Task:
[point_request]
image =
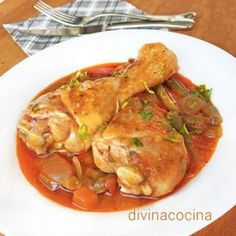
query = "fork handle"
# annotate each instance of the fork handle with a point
(187, 17)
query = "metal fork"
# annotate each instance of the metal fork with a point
(74, 21)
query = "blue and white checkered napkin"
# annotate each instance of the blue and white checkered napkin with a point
(31, 44)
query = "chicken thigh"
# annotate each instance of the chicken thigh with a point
(65, 120)
(139, 145)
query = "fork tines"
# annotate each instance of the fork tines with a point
(53, 13)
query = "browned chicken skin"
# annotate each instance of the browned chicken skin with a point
(154, 65)
(139, 145)
(67, 119)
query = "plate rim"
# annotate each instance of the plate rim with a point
(47, 50)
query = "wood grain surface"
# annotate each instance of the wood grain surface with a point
(216, 23)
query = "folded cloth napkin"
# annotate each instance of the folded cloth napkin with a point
(31, 44)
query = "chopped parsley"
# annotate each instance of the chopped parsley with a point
(146, 115)
(173, 138)
(202, 92)
(174, 120)
(125, 104)
(63, 87)
(170, 120)
(81, 75)
(146, 102)
(184, 130)
(75, 81)
(192, 105)
(119, 74)
(136, 142)
(147, 88)
(83, 132)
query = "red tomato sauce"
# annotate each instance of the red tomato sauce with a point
(30, 163)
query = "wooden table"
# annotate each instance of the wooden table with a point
(216, 23)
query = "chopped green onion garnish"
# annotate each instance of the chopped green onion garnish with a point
(74, 82)
(120, 74)
(136, 142)
(124, 104)
(170, 120)
(192, 105)
(174, 138)
(83, 132)
(81, 75)
(175, 120)
(147, 88)
(202, 92)
(184, 130)
(63, 87)
(146, 102)
(146, 115)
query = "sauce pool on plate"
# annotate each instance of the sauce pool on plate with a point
(200, 145)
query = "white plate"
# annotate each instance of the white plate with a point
(24, 211)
